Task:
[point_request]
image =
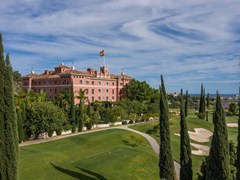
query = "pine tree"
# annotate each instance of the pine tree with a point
(186, 104)
(166, 166)
(238, 142)
(20, 126)
(201, 112)
(185, 148)
(8, 121)
(218, 167)
(72, 111)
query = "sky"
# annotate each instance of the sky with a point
(188, 42)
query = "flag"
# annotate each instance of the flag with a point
(102, 53)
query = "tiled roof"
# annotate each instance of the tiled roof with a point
(31, 75)
(62, 66)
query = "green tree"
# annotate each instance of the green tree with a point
(44, 117)
(20, 126)
(3, 168)
(218, 167)
(232, 108)
(201, 111)
(166, 166)
(186, 104)
(238, 142)
(185, 148)
(201, 175)
(8, 121)
(136, 90)
(72, 111)
(208, 101)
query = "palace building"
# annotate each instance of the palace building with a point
(98, 85)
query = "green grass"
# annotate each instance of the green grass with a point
(192, 122)
(100, 155)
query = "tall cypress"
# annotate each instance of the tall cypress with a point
(238, 141)
(201, 112)
(8, 121)
(72, 111)
(185, 148)
(218, 167)
(2, 120)
(186, 104)
(166, 166)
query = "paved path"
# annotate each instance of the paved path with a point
(150, 139)
(153, 143)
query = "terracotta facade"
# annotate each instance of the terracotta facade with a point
(98, 85)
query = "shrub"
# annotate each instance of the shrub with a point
(124, 122)
(201, 115)
(50, 133)
(59, 131)
(130, 122)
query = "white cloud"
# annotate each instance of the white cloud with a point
(146, 38)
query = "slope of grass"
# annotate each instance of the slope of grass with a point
(100, 155)
(193, 122)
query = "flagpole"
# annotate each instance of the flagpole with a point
(104, 60)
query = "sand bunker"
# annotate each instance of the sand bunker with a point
(202, 150)
(232, 124)
(200, 135)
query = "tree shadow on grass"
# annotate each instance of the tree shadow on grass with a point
(78, 175)
(100, 177)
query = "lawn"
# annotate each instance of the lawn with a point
(193, 122)
(100, 155)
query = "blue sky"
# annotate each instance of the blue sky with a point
(189, 42)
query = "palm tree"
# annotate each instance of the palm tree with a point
(81, 96)
(64, 99)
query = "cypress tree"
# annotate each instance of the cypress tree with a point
(185, 148)
(72, 111)
(80, 116)
(8, 121)
(2, 120)
(20, 126)
(186, 104)
(166, 166)
(218, 167)
(238, 142)
(201, 112)
(208, 101)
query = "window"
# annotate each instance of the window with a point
(99, 90)
(80, 82)
(113, 83)
(99, 98)
(55, 82)
(50, 90)
(107, 98)
(113, 98)
(86, 91)
(87, 82)
(99, 83)
(112, 91)
(107, 83)
(92, 82)
(107, 90)
(121, 84)
(92, 91)
(92, 99)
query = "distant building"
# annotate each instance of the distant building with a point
(101, 86)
